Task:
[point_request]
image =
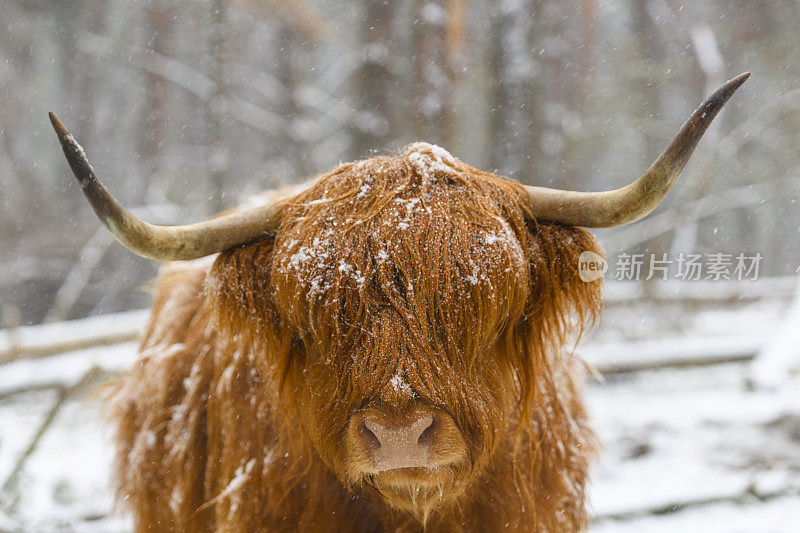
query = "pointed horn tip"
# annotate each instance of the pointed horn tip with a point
(59, 128)
(730, 87)
(737, 81)
(717, 99)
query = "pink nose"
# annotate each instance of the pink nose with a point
(402, 445)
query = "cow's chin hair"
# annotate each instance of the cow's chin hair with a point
(417, 491)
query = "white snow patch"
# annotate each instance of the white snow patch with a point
(366, 186)
(780, 357)
(400, 384)
(433, 13)
(240, 476)
(491, 238)
(428, 159)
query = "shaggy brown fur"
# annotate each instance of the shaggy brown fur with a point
(415, 267)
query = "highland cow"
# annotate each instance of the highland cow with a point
(380, 351)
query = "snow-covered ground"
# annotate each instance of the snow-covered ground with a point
(690, 445)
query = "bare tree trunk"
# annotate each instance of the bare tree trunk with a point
(588, 16)
(218, 156)
(514, 136)
(650, 48)
(290, 73)
(152, 133)
(70, 13)
(376, 80)
(432, 92)
(709, 59)
(560, 57)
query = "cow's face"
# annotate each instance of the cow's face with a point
(397, 303)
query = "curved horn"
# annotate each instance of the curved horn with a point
(634, 201)
(162, 242)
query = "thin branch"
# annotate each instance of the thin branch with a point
(186, 78)
(11, 483)
(736, 198)
(32, 342)
(79, 275)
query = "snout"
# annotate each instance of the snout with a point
(401, 445)
(425, 438)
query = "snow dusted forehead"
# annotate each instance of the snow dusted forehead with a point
(420, 221)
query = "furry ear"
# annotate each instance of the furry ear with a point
(560, 302)
(238, 286)
(240, 293)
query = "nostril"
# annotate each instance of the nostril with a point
(429, 434)
(370, 439)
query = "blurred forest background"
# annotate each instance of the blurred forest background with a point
(186, 108)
